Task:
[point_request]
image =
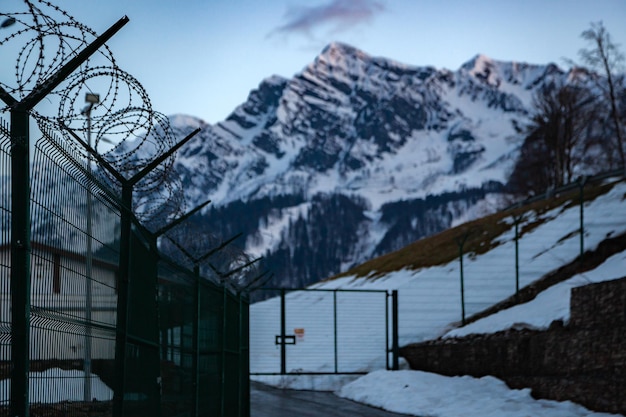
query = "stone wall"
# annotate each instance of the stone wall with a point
(584, 362)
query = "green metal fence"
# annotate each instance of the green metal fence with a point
(94, 319)
(164, 341)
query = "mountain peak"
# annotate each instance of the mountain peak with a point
(494, 73)
(337, 54)
(478, 64)
(340, 48)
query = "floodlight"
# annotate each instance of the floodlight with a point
(7, 22)
(92, 98)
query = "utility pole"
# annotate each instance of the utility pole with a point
(92, 99)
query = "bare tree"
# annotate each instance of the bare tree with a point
(557, 135)
(604, 55)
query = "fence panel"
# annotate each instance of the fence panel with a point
(142, 379)
(265, 354)
(362, 331)
(181, 358)
(176, 317)
(74, 254)
(233, 387)
(547, 236)
(210, 349)
(314, 331)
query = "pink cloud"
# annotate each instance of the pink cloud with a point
(341, 14)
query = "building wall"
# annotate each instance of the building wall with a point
(58, 306)
(583, 361)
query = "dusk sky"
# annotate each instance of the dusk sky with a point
(202, 58)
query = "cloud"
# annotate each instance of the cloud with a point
(339, 14)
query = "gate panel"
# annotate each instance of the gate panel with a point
(264, 326)
(362, 332)
(310, 325)
(319, 331)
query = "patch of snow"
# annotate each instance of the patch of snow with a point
(426, 394)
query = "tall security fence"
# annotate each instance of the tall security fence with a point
(95, 318)
(506, 258)
(539, 236)
(185, 335)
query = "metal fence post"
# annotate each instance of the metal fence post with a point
(461, 242)
(395, 348)
(196, 342)
(20, 261)
(387, 295)
(244, 358)
(581, 186)
(335, 329)
(517, 220)
(121, 339)
(283, 332)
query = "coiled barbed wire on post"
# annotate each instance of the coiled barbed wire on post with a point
(42, 37)
(124, 127)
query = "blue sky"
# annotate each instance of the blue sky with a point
(202, 57)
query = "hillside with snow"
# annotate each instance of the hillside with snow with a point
(548, 238)
(357, 156)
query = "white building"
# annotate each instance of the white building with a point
(59, 300)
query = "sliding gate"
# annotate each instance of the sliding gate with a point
(319, 331)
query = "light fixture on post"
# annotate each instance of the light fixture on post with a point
(91, 99)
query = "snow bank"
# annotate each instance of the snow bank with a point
(425, 394)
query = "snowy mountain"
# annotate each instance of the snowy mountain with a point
(357, 156)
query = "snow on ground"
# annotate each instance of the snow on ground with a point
(552, 304)
(429, 304)
(56, 385)
(419, 393)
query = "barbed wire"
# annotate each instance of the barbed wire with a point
(125, 129)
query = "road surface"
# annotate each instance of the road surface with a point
(267, 401)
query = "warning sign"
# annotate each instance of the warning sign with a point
(299, 332)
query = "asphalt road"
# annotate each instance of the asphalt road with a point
(267, 401)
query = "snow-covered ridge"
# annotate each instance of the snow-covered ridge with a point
(362, 116)
(379, 132)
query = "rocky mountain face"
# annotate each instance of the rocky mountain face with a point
(357, 156)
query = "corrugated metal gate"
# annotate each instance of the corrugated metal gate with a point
(319, 331)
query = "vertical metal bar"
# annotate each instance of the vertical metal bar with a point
(244, 371)
(123, 297)
(88, 275)
(20, 261)
(582, 219)
(462, 284)
(164, 318)
(239, 356)
(224, 326)
(461, 242)
(517, 221)
(283, 326)
(246, 358)
(196, 342)
(387, 295)
(171, 342)
(395, 348)
(335, 328)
